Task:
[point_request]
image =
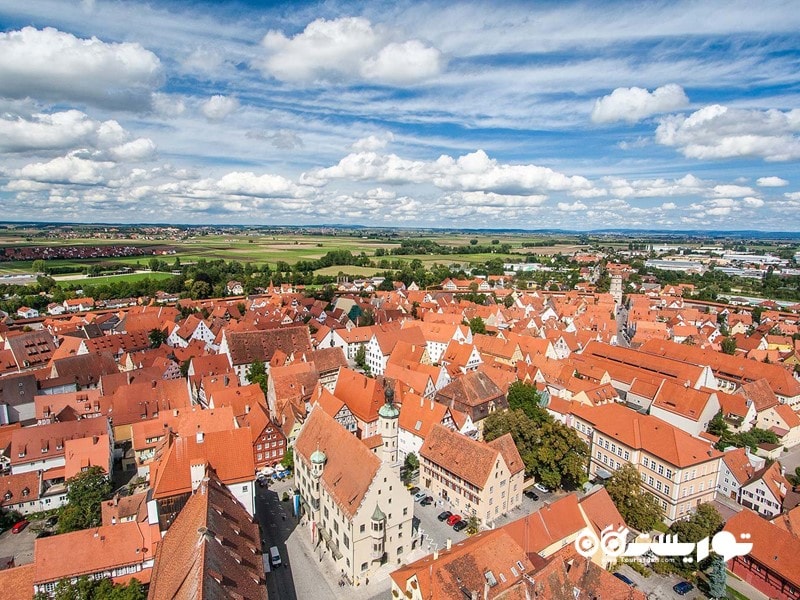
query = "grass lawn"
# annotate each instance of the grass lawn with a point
(734, 595)
(92, 281)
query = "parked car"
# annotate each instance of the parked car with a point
(531, 494)
(542, 488)
(419, 496)
(44, 533)
(443, 516)
(414, 490)
(682, 588)
(19, 526)
(51, 521)
(624, 579)
(427, 500)
(461, 525)
(453, 519)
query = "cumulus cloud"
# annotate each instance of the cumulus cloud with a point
(634, 104)
(771, 182)
(473, 172)
(753, 202)
(282, 139)
(403, 63)
(71, 130)
(168, 106)
(734, 191)
(218, 107)
(372, 142)
(574, 207)
(263, 186)
(716, 131)
(347, 47)
(53, 65)
(66, 169)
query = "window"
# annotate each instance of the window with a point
(405, 511)
(666, 490)
(627, 455)
(660, 469)
(364, 566)
(363, 528)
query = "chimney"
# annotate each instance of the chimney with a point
(113, 520)
(436, 555)
(225, 380)
(449, 544)
(199, 435)
(247, 409)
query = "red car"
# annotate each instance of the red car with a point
(19, 526)
(453, 519)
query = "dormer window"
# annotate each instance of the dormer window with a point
(8, 495)
(59, 446)
(25, 491)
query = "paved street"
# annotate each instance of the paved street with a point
(299, 576)
(20, 545)
(658, 587)
(790, 460)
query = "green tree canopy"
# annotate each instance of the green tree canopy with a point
(95, 589)
(157, 337)
(552, 453)
(85, 492)
(638, 508)
(729, 346)
(477, 325)
(257, 373)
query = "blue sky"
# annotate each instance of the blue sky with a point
(673, 115)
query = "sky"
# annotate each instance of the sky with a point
(571, 115)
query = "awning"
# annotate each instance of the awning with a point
(602, 473)
(330, 544)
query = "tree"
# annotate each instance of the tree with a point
(638, 508)
(200, 290)
(157, 337)
(718, 578)
(473, 524)
(361, 358)
(411, 463)
(85, 492)
(85, 588)
(38, 266)
(552, 453)
(526, 398)
(473, 242)
(153, 263)
(729, 346)
(287, 462)
(477, 325)
(257, 373)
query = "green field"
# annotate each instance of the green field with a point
(348, 270)
(270, 249)
(67, 283)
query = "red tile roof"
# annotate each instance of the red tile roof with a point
(471, 460)
(212, 550)
(92, 551)
(350, 466)
(774, 548)
(645, 432)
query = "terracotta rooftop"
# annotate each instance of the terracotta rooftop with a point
(45, 441)
(363, 395)
(16, 583)
(229, 453)
(471, 460)
(212, 550)
(774, 548)
(350, 466)
(682, 400)
(465, 569)
(471, 393)
(648, 433)
(247, 347)
(92, 551)
(738, 464)
(759, 393)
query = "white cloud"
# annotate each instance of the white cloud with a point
(372, 142)
(58, 66)
(347, 47)
(168, 106)
(138, 149)
(792, 195)
(218, 107)
(45, 131)
(574, 207)
(734, 191)
(470, 172)
(634, 104)
(716, 131)
(669, 206)
(771, 182)
(71, 130)
(66, 169)
(403, 63)
(204, 61)
(753, 202)
(250, 184)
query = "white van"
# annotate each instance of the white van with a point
(274, 556)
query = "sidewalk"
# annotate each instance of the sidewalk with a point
(747, 590)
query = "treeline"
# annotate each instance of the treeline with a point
(425, 246)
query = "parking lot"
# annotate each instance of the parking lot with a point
(19, 546)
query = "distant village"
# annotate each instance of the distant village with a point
(375, 433)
